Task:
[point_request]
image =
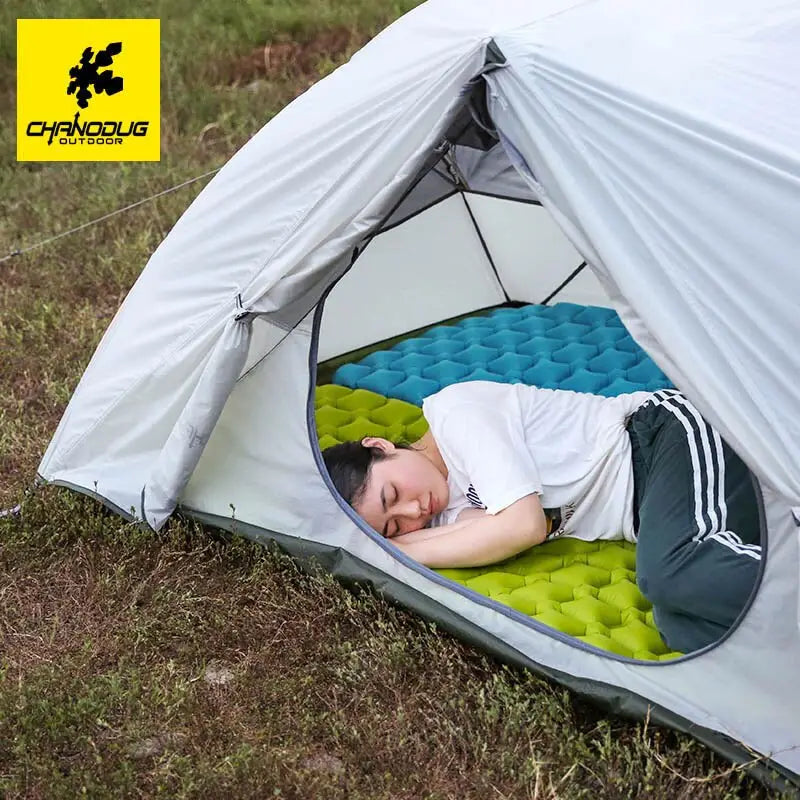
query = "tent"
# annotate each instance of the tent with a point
(485, 152)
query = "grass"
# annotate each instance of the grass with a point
(190, 664)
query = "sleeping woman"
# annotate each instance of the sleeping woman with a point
(503, 467)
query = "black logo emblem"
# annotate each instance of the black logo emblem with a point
(86, 74)
(473, 498)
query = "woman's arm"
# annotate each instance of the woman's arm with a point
(423, 534)
(477, 541)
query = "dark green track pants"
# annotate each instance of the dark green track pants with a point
(698, 553)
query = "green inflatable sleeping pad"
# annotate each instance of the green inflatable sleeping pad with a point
(584, 589)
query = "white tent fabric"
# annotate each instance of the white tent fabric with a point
(662, 137)
(685, 179)
(419, 252)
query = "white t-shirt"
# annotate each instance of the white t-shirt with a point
(501, 442)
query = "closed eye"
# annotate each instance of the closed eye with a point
(384, 505)
(391, 528)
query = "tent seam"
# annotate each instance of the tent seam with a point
(485, 248)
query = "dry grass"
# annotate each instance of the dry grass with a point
(192, 665)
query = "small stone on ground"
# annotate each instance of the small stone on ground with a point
(218, 675)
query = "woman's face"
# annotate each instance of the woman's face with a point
(403, 492)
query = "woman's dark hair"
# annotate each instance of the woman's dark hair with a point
(349, 464)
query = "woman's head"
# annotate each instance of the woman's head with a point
(395, 488)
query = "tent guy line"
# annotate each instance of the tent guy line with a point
(19, 251)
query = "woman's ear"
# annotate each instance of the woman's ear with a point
(376, 441)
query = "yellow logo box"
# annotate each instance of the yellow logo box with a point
(88, 90)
